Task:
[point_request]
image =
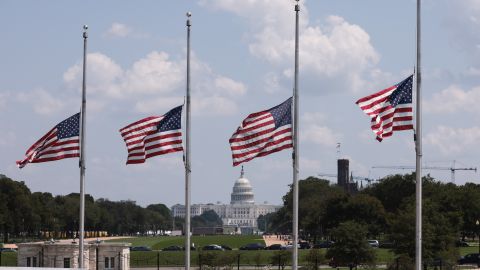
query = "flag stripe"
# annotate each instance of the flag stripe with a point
(263, 133)
(153, 136)
(390, 109)
(60, 142)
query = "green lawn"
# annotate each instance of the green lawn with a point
(465, 250)
(261, 257)
(160, 242)
(8, 259)
(175, 258)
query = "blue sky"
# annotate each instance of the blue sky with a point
(242, 62)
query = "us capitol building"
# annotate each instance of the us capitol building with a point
(242, 211)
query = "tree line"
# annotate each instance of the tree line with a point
(386, 211)
(27, 215)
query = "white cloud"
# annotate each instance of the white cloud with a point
(271, 82)
(454, 99)
(463, 22)
(157, 75)
(310, 118)
(337, 49)
(103, 75)
(313, 130)
(214, 105)
(473, 71)
(319, 135)
(453, 140)
(158, 105)
(43, 102)
(312, 165)
(230, 86)
(154, 74)
(119, 30)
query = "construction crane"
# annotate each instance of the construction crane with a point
(451, 169)
(368, 180)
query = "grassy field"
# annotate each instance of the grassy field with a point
(175, 258)
(160, 242)
(143, 259)
(8, 259)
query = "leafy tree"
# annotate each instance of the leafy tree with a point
(351, 246)
(265, 222)
(468, 198)
(368, 211)
(281, 258)
(18, 217)
(207, 219)
(438, 233)
(313, 195)
(314, 258)
(393, 190)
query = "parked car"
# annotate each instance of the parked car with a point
(324, 244)
(253, 246)
(374, 243)
(173, 248)
(226, 247)
(140, 248)
(472, 258)
(275, 247)
(8, 250)
(212, 247)
(460, 243)
(304, 245)
(386, 244)
(290, 246)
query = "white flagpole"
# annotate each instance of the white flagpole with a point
(82, 149)
(187, 154)
(295, 149)
(418, 150)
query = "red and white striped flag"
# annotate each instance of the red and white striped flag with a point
(263, 133)
(60, 142)
(390, 109)
(153, 136)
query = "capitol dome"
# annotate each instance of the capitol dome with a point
(242, 191)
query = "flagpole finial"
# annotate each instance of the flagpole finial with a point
(85, 28)
(189, 14)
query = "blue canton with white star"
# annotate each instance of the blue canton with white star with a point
(69, 127)
(172, 120)
(282, 114)
(403, 93)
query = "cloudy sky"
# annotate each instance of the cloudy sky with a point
(242, 62)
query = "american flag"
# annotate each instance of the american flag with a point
(59, 143)
(153, 136)
(263, 133)
(390, 109)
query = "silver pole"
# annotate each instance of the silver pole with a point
(295, 149)
(187, 154)
(418, 148)
(82, 147)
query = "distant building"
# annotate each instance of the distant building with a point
(344, 178)
(63, 254)
(242, 211)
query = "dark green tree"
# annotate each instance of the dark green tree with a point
(351, 246)
(207, 219)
